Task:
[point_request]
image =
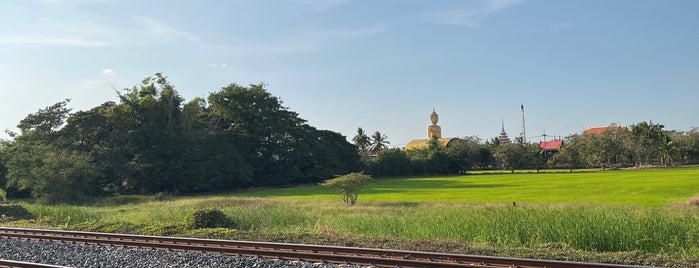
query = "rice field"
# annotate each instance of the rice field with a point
(611, 211)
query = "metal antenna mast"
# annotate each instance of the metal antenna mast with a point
(524, 129)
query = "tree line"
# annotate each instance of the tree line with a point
(151, 141)
(645, 143)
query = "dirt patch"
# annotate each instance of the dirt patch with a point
(694, 201)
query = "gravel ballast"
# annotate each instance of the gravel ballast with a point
(76, 255)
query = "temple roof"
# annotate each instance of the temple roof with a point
(553, 145)
(600, 130)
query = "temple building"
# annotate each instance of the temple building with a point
(503, 135)
(599, 130)
(433, 131)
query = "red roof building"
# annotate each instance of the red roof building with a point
(600, 130)
(551, 146)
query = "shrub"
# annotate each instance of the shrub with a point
(348, 186)
(161, 196)
(14, 212)
(162, 229)
(208, 218)
(3, 196)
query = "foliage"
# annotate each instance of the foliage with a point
(379, 142)
(348, 186)
(3, 196)
(52, 175)
(468, 153)
(14, 212)
(361, 140)
(46, 121)
(511, 156)
(152, 141)
(208, 218)
(390, 163)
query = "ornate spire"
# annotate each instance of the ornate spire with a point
(502, 130)
(503, 135)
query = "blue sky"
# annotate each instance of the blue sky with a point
(381, 65)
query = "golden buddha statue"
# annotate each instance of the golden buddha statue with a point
(434, 130)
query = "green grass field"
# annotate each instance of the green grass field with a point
(653, 188)
(613, 211)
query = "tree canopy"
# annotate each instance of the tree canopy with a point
(153, 141)
(348, 186)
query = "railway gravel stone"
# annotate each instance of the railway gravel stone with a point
(76, 255)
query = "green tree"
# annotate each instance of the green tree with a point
(687, 145)
(46, 121)
(52, 175)
(465, 154)
(569, 155)
(267, 132)
(379, 142)
(651, 143)
(153, 135)
(348, 186)
(391, 162)
(535, 156)
(361, 140)
(331, 155)
(96, 133)
(511, 156)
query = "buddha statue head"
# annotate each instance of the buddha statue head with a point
(434, 117)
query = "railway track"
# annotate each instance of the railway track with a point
(310, 253)
(21, 264)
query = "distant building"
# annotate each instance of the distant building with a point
(599, 130)
(503, 135)
(551, 146)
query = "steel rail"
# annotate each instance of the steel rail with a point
(333, 254)
(21, 264)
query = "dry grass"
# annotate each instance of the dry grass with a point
(694, 201)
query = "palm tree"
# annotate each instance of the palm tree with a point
(379, 142)
(361, 140)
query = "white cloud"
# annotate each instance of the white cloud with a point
(471, 17)
(108, 71)
(218, 65)
(164, 31)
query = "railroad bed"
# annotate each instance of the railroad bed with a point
(86, 249)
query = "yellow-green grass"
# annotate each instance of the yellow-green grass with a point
(652, 187)
(630, 210)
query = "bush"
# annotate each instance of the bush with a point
(3, 196)
(208, 218)
(348, 186)
(14, 212)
